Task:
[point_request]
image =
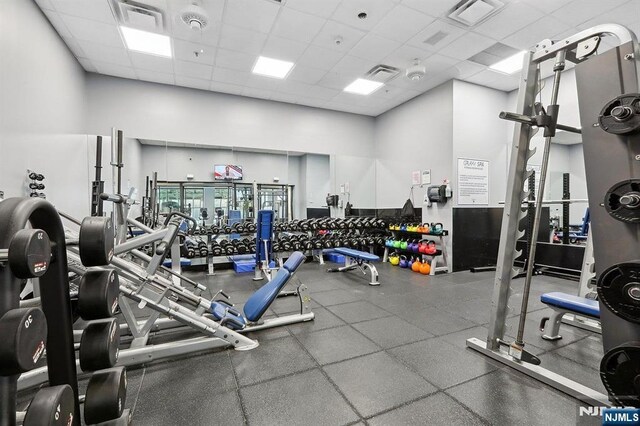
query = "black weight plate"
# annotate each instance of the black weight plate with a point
(23, 333)
(619, 290)
(96, 241)
(52, 406)
(98, 294)
(123, 420)
(29, 253)
(105, 396)
(621, 116)
(616, 209)
(620, 374)
(99, 345)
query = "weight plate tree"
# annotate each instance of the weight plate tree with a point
(608, 86)
(51, 265)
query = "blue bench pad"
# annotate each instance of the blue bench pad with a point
(572, 303)
(259, 301)
(294, 261)
(357, 254)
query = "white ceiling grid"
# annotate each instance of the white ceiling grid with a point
(304, 32)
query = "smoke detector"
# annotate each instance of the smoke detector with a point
(195, 17)
(416, 71)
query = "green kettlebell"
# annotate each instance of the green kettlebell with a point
(403, 245)
(396, 243)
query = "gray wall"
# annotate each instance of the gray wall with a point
(160, 112)
(315, 170)
(42, 108)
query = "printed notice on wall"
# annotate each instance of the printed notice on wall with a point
(473, 182)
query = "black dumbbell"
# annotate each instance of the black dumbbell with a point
(34, 186)
(98, 294)
(275, 246)
(216, 250)
(99, 345)
(29, 253)
(36, 176)
(23, 333)
(250, 227)
(52, 406)
(96, 241)
(105, 396)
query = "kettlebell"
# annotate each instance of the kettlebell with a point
(403, 262)
(396, 244)
(413, 246)
(411, 228)
(394, 259)
(424, 228)
(388, 243)
(416, 265)
(403, 227)
(436, 228)
(425, 268)
(423, 246)
(403, 245)
(430, 248)
(410, 266)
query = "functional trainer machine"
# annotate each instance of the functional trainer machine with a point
(608, 86)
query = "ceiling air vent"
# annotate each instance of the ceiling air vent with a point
(382, 73)
(471, 12)
(436, 38)
(138, 15)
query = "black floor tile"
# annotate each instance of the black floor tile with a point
(336, 344)
(335, 297)
(433, 320)
(459, 338)
(587, 352)
(358, 311)
(566, 367)
(505, 398)
(438, 409)
(302, 399)
(375, 383)
(271, 359)
(391, 331)
(323, 320)
(443, 364)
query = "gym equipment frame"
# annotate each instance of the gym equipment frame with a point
(600, 78)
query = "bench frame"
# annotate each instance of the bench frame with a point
(351, 263)
(550, 326)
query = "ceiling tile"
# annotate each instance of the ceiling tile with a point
(319, 57)
(437, 63)
(75, 48)
(284, 97)
(466, 69)
(374, 48)
(436, 8)
(322, 92)
(225, 75)
(185, 51)
(95, 51)
(240, 39)
(547, 6)
(87, 65)
(404, 56)
(209, 37)
(57, 23)
(485, 77)
(402, 23)
(195, 83)
(297, 26)
(95, 10)
(347, 12)
(83, 29)
(114, 70)
(234, 89)
(151, 62)
(545, 28)
(323, 9)
(580, 11)
(256, 15)
(355, 66)
(306, 75)
(156, 77)
(235, 60)
(445, 32)
(45, 4)
(193, 70)
(628, 15)
(466, 46)
(334, 80)
(265, 83)
(257, 93)
(332, 30)
(283, 49)
(512, 18)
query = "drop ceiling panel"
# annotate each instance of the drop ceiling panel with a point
(327, 36)
(186, 51)
(467, 45)
(93, 10)
(74, 47)
(402, 23)
(447, 31)
(297, 26)
(99, 52)
(547, 6)
(513, 17)
(193, 70)
(306, 74)
(155, 76)
(45, 4)
(348, 11)
(114, 70)
(466, 69)
(232, 59)
(233, 89)
(141, 61)
(58, 23)
(283, 49)
(435, 8)
(580, 11)
(226, 75)
(195, 83)
(241, 39)
(544, 28)
(320, 57)
(374, 48)
(255, 15)
(323, 9)
(84, 29)
(405, 55)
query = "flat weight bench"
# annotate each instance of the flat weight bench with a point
(563, 303)
(261, 299)
(356, 259)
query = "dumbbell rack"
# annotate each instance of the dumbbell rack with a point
(441, 253)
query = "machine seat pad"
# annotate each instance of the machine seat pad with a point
(234, 320)
(572, 303)
(357, 254)
(294, 261)
(259, 302)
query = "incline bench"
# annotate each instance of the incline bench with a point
(563, 303)
(356, 259)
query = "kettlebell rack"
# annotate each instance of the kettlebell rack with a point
(440, 254)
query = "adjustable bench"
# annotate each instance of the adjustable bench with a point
(261, 299)
(563, 303)
(358, 259)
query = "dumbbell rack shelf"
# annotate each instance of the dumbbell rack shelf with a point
(440, 254)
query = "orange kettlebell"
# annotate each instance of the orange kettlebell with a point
(425, 268)
(417, 264)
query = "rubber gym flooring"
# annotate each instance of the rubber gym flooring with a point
(388, 355)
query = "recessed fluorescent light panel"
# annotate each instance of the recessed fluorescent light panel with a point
(510, 65)
(274, 68)
(146, 42)
(363, 86)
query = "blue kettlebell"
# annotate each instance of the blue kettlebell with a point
(403, 262)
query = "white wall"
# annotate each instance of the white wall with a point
(315, 171)
(160, 112)
(353, 179)
(42, 108)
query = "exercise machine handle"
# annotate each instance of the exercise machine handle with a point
(117, 199)
(184, 216)
(167, 240)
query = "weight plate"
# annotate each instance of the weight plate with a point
(619, 290)
(29, 253)
(99, 345)
(622, 201)
(98, 294)
(105, 396)
(621, 116)
(620, 374)
(52, 406)
(23, 333)
(96, 241)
